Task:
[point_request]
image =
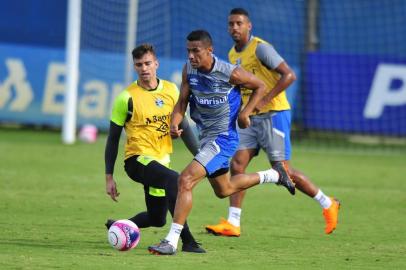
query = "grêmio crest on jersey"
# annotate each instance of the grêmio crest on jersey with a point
(159, 102)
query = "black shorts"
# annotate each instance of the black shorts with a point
(153, 174)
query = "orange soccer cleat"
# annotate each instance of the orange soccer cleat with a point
(331, 216)
(225, 228)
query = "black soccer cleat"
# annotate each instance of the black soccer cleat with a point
(193, 247)
(284, 178)
(109, 222)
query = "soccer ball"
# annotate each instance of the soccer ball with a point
(124, 235)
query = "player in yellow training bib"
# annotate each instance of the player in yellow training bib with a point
(143, 109)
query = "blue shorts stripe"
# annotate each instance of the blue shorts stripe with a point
(281, 121)
(216, 153)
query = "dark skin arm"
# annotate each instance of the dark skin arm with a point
(180, 107)
(248, 80)
(288, 76)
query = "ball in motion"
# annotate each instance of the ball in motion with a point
(124, 235)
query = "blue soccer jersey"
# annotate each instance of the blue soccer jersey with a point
(215, 102)
(214, 106)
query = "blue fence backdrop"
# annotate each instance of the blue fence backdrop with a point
(359, 64)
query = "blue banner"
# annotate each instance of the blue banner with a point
(33, 82)
(355, 93)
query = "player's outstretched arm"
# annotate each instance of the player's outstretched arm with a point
(180, 107)
(248, 80)
(110, 156)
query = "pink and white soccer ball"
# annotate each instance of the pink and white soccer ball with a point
(124, 235)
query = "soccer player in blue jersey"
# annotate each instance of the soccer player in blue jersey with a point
(211, 86)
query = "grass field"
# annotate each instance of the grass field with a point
(53, 206)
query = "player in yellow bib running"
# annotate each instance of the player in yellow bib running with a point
(270, 125)
(143, 109)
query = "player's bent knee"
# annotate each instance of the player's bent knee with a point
(185, 183)
(221, 193)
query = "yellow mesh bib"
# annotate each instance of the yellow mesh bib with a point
(248, 60)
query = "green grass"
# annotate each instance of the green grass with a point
(53, 206)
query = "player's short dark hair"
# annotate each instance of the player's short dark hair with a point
(239, 11)
(142, 49)
(200, 35)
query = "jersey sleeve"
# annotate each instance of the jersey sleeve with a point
(120, 108)
(268, 56)
(225, 69)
